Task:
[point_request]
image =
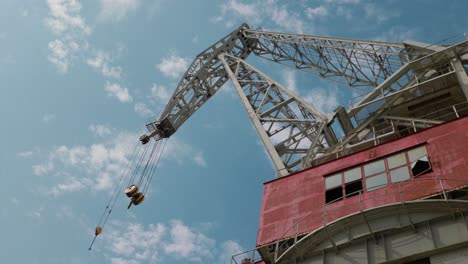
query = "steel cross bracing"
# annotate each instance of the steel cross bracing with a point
(288, 126)
(295, 134)
(355, 63)
(201, 81)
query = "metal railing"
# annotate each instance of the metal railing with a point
(357, 202)
(360, 201)
(392, 129)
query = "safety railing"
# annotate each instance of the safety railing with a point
(392, 129)
(246, 257)
(399, 192)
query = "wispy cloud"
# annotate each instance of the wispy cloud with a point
(228, 249)
(64, 16)
(72, 184)
(187, 243)
(62, 53)
(25, 154)
(100, 62)
(155, 243)
(100, 130)
(119, 92)
(143, 110)
(48, 117)
(69, 26)
(200, 159)
(99, 165)
(159, 94)
(319, 11)
(116, 10)
(268, 13)
(173, 66)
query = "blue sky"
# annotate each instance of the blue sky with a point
(79, 79)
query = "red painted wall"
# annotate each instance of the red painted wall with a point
(287, 200)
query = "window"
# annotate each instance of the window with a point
(377, 174)
(420, 164)
(343, 184)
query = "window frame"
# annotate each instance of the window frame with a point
(387, 171)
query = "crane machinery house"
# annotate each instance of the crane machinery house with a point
(384, 181)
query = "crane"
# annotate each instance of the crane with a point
(399, 84)
(390, 76)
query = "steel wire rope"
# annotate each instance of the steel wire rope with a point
(152, 166)
(113, 197)
(151, 156)
(155, 167)
(137, 168)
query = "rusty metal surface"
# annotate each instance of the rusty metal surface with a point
(287, 200)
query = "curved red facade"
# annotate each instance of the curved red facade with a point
(301, 195)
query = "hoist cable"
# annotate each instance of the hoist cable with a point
(115, 190)
(113, 197)
(148, 162)
(156, 165)
(152, 166)
(137, 168)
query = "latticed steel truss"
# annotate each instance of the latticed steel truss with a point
(397, 80)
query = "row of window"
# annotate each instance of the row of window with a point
(377, 174)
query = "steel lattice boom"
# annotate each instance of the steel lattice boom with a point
(399, 83)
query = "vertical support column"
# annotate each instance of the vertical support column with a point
(461, 76)
(278, 163)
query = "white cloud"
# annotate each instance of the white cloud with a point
(101, 164)
(343, 1)
(180, 152)
(230, 248)
(378, 13)
(115, 10)
(289, 77)
(14, 200)
(134, 242)
(100, 130)
(160, 94)
(123, 261)
(47, 118)
(143, 110)
(128, 243)
(101, 62)
(259, 12)
(187, 243)
(42, 169)
(65, 21)
(324, 100)
(173, 66)
(316, 12)
(199, 159)
(71, 185)
(25, 154)
(65, 15)
(398, 33)
(121, 93)
(195, 39)
(59, 55)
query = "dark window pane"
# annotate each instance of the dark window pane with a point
(421, 166)
(334, 194)
(420, 261)
(353, 188)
